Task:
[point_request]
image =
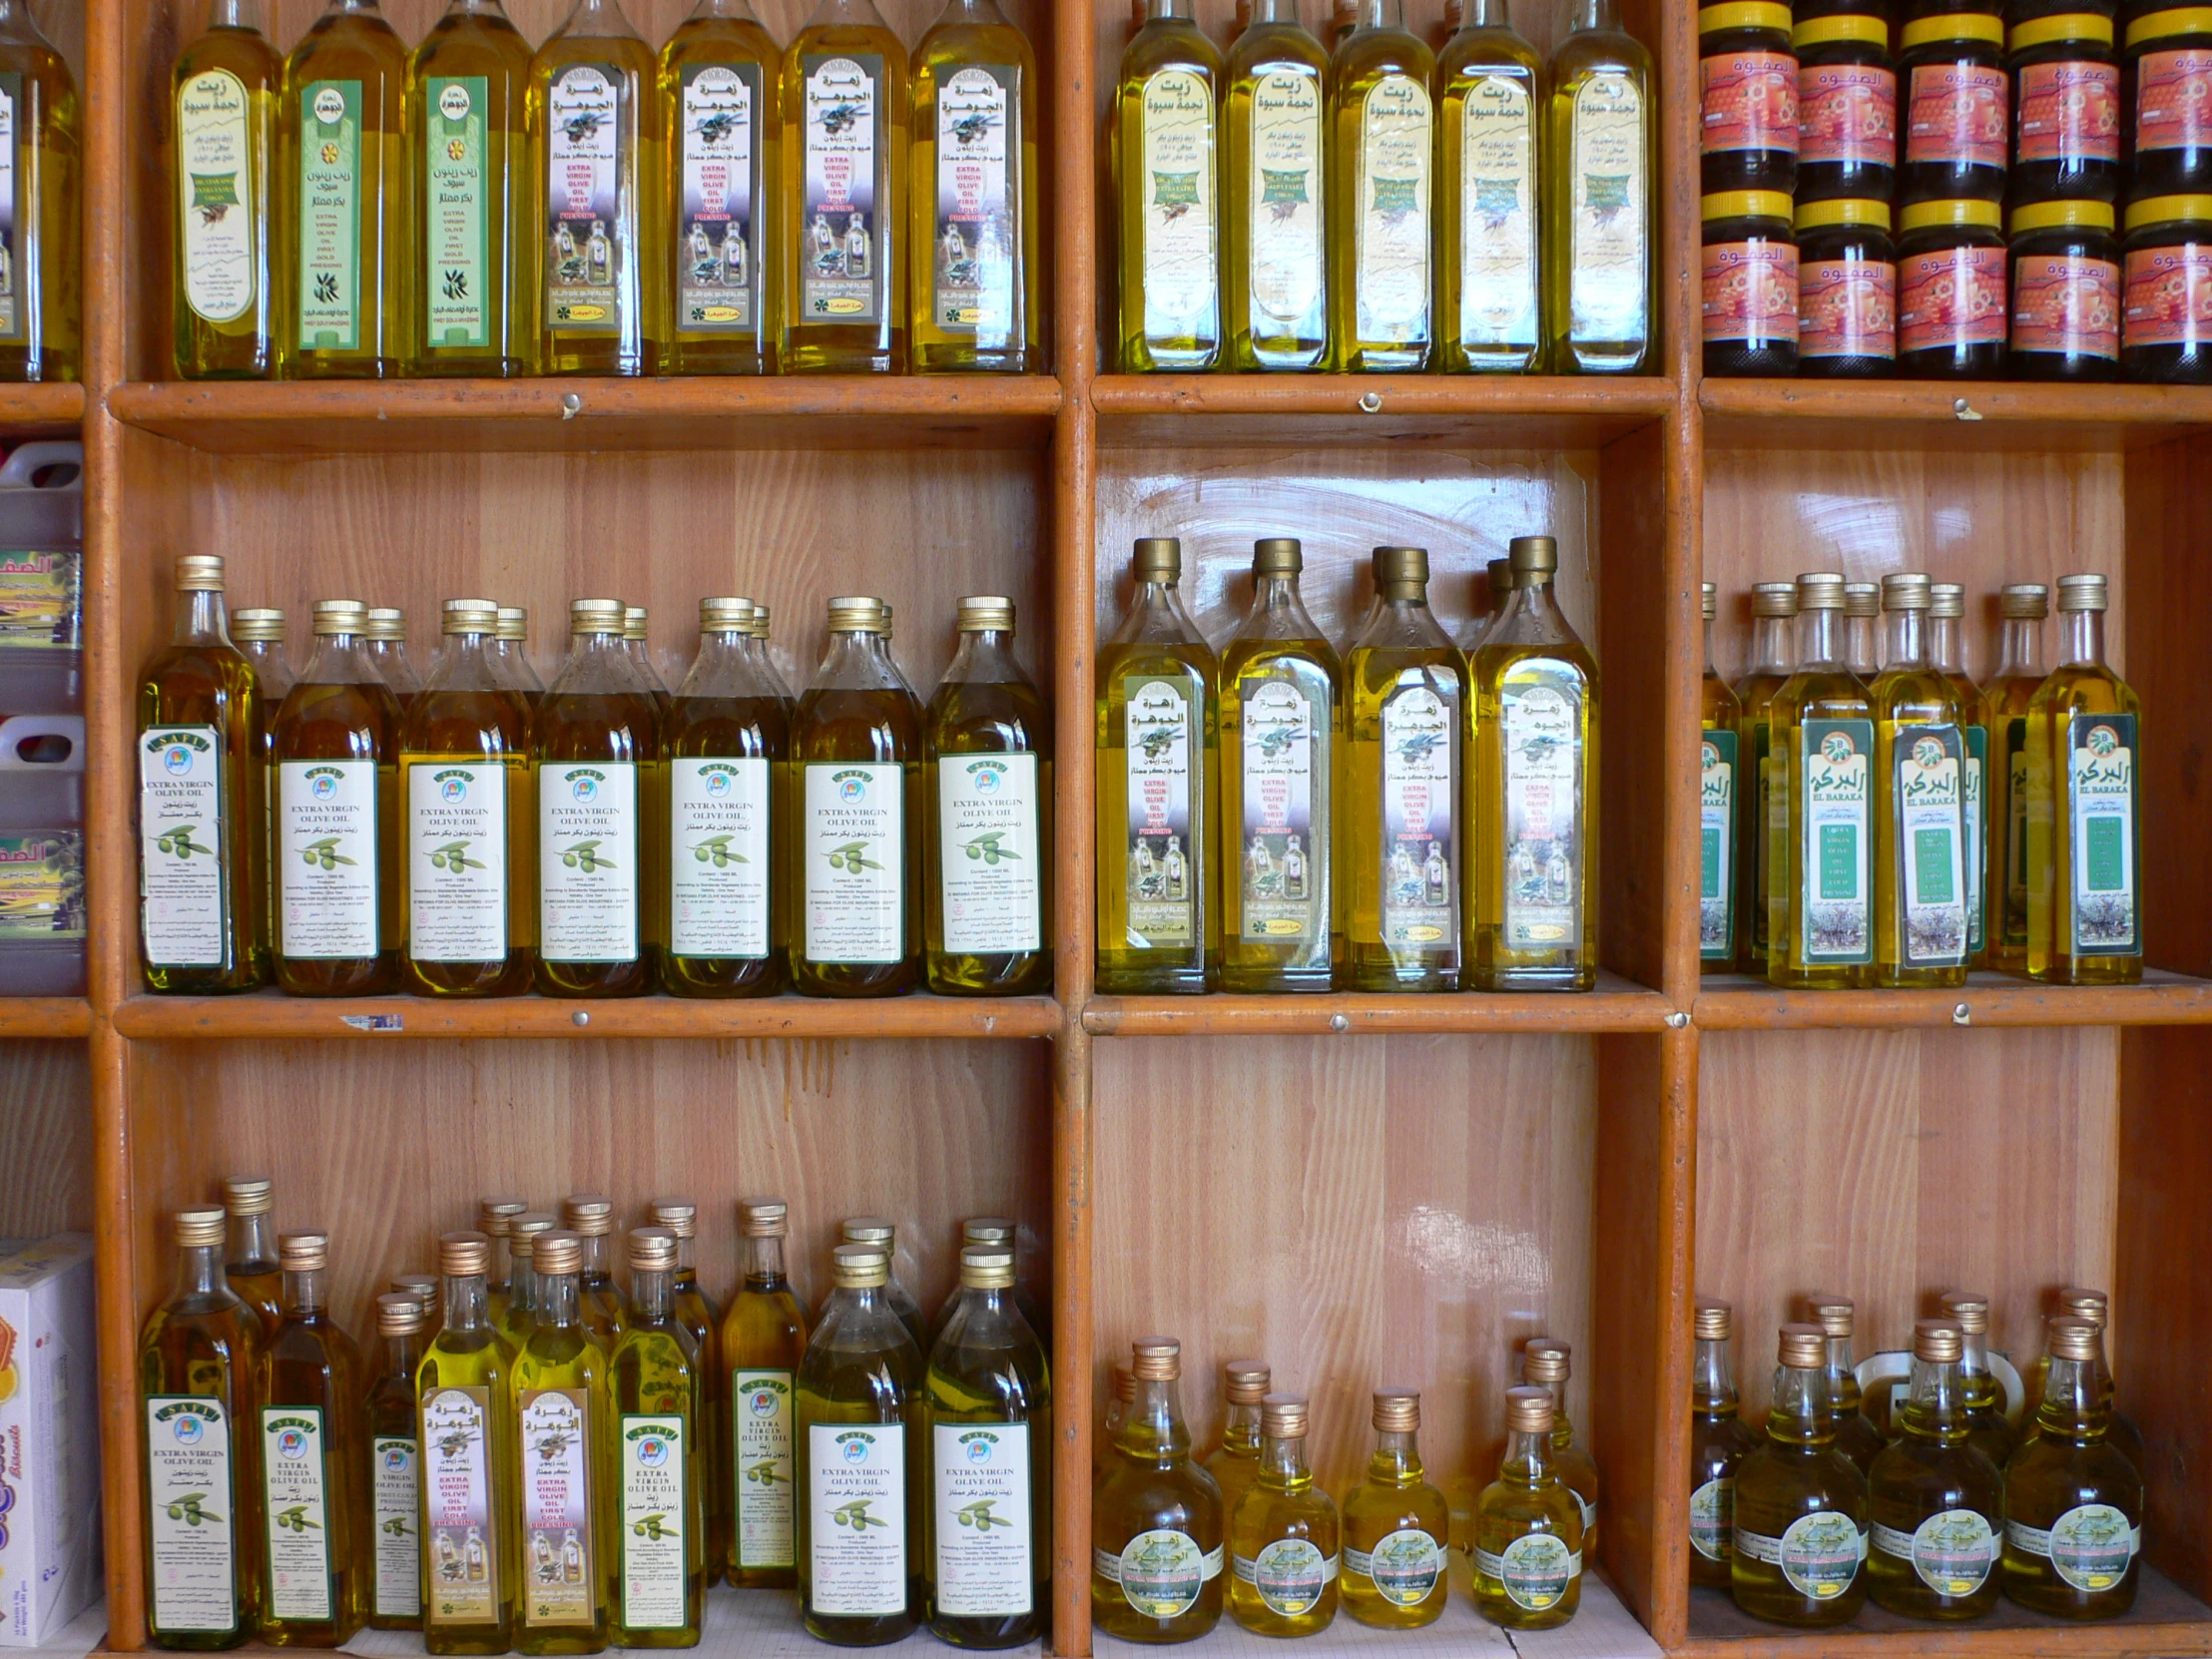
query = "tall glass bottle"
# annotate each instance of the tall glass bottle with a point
(2022, 606)
(1159, 1541)
(1719, 1439)
(495, 1219)
(1159, 790)
(1527, 1527)
(986, 821)
(1720, 738)
(522, 1282)
(386, 637)
(1801, 1504)
(1381, 193)
(1987, 1424)
(847, 110)
(471, 1500)
(658, 1551)
(392, 1597)
(200, 801)
(1401, 779)
(1530, 913)
(1936, 1503)
(1001, 1231)
(720, 80)
(2073, 1505)
(1235, 1463)
(258, 632)
(1275, 242)
(469, 794)
(1947, 612)
(2085, 807)
(467, 88)
(1820, 909)
(1489, 284)
(561, 1410)
(249, 1256)
(511, 652)
(1599, 123)
(600, 1304)
(637, 643)
(1167, 179)
(764, 1336)
(41, 260)
(702, 1320)
(1856, 1436)
(345, 273)
(198, 1354)
(1284, 1534)
(1396, 1526)
(1546, 1362)
(1919, 796)
(1862, 629)
(883, 1233)
(1282, 725)
(1773, 660)
(222, 149)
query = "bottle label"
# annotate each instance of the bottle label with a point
(330, 294)
(586, 126)
(456, 228)
(653, 1521)
(41, 599)
(1766, 842)
(1957, 116)
(2066, 303)
(296, 1488)
(1286, 759)
(1848, 309)
(463, 1542)
(396, 1499)
(856, 1542)
(1178, 205)
(1534, 1570)
(557, 1569)
(2015, 832)
(1847, 114)
(184, 889)
(1713, 1518)
(1161, 1573)
(984, 1563)
(2070, 112)
(1284, 227)
(217, 196)
(761, 1406)
(719, 856)
(1420, 795)
(588, 861)
(1609, 244)
(1953, 1552)
(718, 257)
(978, 219)
(1838, 923)
(987, 841)
(1716, 925)
(2101, 807)
(1751, 292)
(1820, 1556)
(1750, 102)
(188, 1488)
(1288, 1573)
(1949, 297)
(855, 850)
(1929, 783)
(1160, 718)
(2169, 296)
(1391, 260)
(1975, 811)
(457, 863)
(1404, 1566)
(42, 885)
(14, 318)
(326, 858)
(845, 189)
(2173, 100)
(1541, 703)
(2091, 1546)
(1497, 214)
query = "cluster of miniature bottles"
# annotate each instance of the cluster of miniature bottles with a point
(1901, 823)
(1932, 1500)
(896, 1468)
(1412, 814)
(723, 207)
(1382, 207)
(358, 831)
(1175, 1539)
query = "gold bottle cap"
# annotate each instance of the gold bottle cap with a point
(982, 613)
(1861, 599)
(633, 621)
(1830, 1312)
(1820, 590)
(557, 1251)
(1532, 556)
(1774, 599)
(757, 626)
(200, 1227)
(857, 613)
(1278, 556)
(523, 1237)
(2075, 1301)
(858, 1266)
(651, 1250)
(1946, 599)
(1938, 1342)
(995, 1230)
(400, 1315)
(249, 1195)
(339, 616)
(2081, 593)
(2023, 602)
(387, 622)
(1803, 1348)
(1158, 559)
(198, 573)
(469, 615)
(1970, 1309)
(589, 616)
(1283, 1416)
(1395, 1410)
(1155, 1359)
(987, 1267)
(1528, 1411)
(886, 621)
(1125, 1384)
(2073, 1339)
(303, 1252)
(1906, 590)
(1499, 574)
(1401, 572)
(724, 616)
(1713, 1320)
(679, 1215)
(423, 1287)
(764, 1218)
(462, 1254)
(588, 1215)
(1545, 1359)
(261, 625)
(1246, 1382)
(872, 1229)
(495, 1217)
(1709, 600)
(515, 624)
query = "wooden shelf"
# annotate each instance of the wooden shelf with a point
(45, 1016)
(1977, 415)
(42, 411)
(1499, 412)
(1616, 1005)
(1731, 1002)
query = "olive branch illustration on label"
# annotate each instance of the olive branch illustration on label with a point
(297, 1519)
(325, 853)
(979, 1515)
(586, 857)
(717, 850)
(179, 842)
(766, 1472)
(453, 855)
(849, 858)
(855, 1515)
(188, 1508)
(986, 848)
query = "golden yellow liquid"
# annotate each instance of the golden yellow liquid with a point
(765, 1330)
(1527, 1499)
(1391, 1501)
(697, 1313)
(1235, 1463)
(347, 722)
(1382, 184)
(563, 1354)
(255, 1284)
(709, 343)
(2005, 704)
(882, 726)
(654, 1372)
(310, 1363)
(474, 1359)
(2071, 1465)
(1902, 697)
(1274, 222)
(241, 346)
(42, 334)
(753, 728)
(1489, 318)
(1150, 1487)
(1599, 260)
(1719, 1440)
(390, 1411)
(1974, 734)
(1284, 1506)
(1810, 694)
(2052, 956)
(1929, 1470)
(1721, 918)
(611, 728)
(1753, 850)
(1164, 121)
(1794, 1473)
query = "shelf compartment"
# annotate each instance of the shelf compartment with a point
(1458, 410)
(1946, 414)
(1733, 1002)
(1617, 1005)
(45, 1016)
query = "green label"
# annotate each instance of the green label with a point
(40, 598)
(456, 234)
(1837, 785)
(2012, 890)
(2101, 811)
(1716, 929)
(329, 216)
(650, 1452)
(42, 885)
(1759, 830)
(296, 1488)
(1978, 837)
(1928, 785)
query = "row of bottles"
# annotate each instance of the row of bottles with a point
(1953, 1504)
(473, 836)
(1894, 826)
(1413, 815)
(532, 1459)
(725, 207)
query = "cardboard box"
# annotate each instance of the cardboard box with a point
(49, 1440)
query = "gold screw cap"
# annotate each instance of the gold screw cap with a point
(1906, 590)
(1970, 1309)
(1861, 599)
(633, 621)
(1803, 1348)
(1820, 590)
(495, 1217)
(651, 1250)
(400, 1315)
(199, 1228)
(2076, 1302)
(872, 1229)
(1399, 568)
(1528, 1411)
(523, 1237)
(2072, 1338)
(1246, 1382)
(262, 624)
(588, 1215)
(515, 624)
(468, 616)
(1532, 555)
(385, 622)
(1938, 1342)
(1278, 556)
(588, 616)
(334, 617)
(679, 1215)
(2023, 602)
(724, 616)
(1499, 574)
(1395, 1410)
(1158, 559)
(423, 1287)
(558, 1251)
(1946, 599)
(1713, 1320)
(1545, 1359)
(1830, 1312)
(249, 1195)
(764, 1218)
(1283, 1416)
(984, 613)
(997, 1230)
(857, 613)
(859, 1266)
(1155, 1359)
(2081, 593)
(1709, 600)
(463, 1254)
(1774, 599)
(198, 573)
(987, 1267)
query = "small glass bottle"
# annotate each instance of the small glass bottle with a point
(1235, 1463)
(2073, 1507)
(1527, 1527)
(522, 1278)
(2166, 332)
(1546, 1362)
(1847, 103)
(1951, 65)
(1847, 290)
(1856, 1436)
(495, 1219)
(702, 1321)
(511, 651)
(882, 1233)
(1396, 1526)
(1750, 277)
(423, 1287)
(654, 1385)
(1819, 899)
(1987, 1426)
(471, 1497)
(1275, 247)
(600, 1302)
(1801, 1504)
(2066, 298)
(2076, 1302)
(2022, 606)
(1920, 801)
(222, 149)
(1935, 1501)
(1862, 629)
(1947, 613)
(1747, 76)
(1720, 735)
(1719, 1440)
(1158, 1538)
(1489, 282)
(1599, 148)
(385, 637)
(561, 1416)
(1160, 133)
(1952, 309)
(393, 1600)
(1284, 1532)
(249, 1256)
(2168, 145)
(1772, 660)
(1381, 178)
(763, 1336)
(2066, 122)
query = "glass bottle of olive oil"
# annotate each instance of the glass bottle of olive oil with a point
(1801, 1504)
(1527, 1527)
(1120, 1396)
(1396, 1527)
(200, 801)
(1284, 1534)
(469, 794)
(597, 137)
(1531, 907)
(986, 1416)
(198, 1354)
(764, 655)
(1862, 626)
(847, 110)
(249, 1256)
(2085, 807)
(41, 260)
(336, 825)
(1919, 793)
(1546, 1362)
(720, 81)
(597, 744)
(1935, 1503)
(307, 1391)
(1947, 612)
(393, 1595)
(1489, 286)
(223, 147)
(1159, 790)
(2079, 1303)
(883, 1233)
(561, 1416)
(1987, 1424)
(1167, 182)
(1720, 738)
(659, 1545)
(1855, 1437)
(1282, 724)
(1718, 1441)
(495, 1219)
(511, 652)
(1773, 659)
(1381, 143)
(1002, 1231)
(346, 275)
(600, 1304)
(1275, 243)
(763, 1336)
(861, 1466)
(1159, 1539)
(702, 1320)
(467, 88)
(1235, 1463)
(521, 1312)
(258, 632)
(1600, 155)
(1401, 779)
(2073, 1505)
(1820, 830)
(386, 640)
(637, 645)
(2022, 606)
(470, 1497)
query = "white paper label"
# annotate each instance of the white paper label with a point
(1404, 1566)
(1836, 777)
(1176, 195)
(852, 842)
(1609, 251)
(457, 862)
(1497, 214)
(1285, 226)
(1290, 1574)
(984, 1561)
(1930, 767)
(326, 856)
(558, 1571)
(183, 885)
(978, 208)
(719, 856)
(295, 1489)
(1161, 718)
(456, 1500)
(1541, 711)
(2100, 798)
(395, 1497)
(1952, 1553)
(189, 1498)
(2091, 1546)
(987, 844)
(588, 861)
(847, 190)
(585, 260)
(218, 194)
(1285, 857)
(856, 1489)
(651, 1451)
(1160, 1572)
(1420, 791)
(1820, 1554)
(717, 262)
(1534, 1570)
(1390, 269)
(761, 1404)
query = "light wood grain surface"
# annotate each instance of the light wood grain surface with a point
(46, 1105)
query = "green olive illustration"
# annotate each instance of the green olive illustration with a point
(990, 855)
(327, 861)
(975, 853)
(700, 853)
(722, 861)
(568, 858)
(308, 858)
(437, 860)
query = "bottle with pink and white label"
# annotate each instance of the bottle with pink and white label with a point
(1847, 290)
(2167, 97)
(1747, 96)
(2166, 273)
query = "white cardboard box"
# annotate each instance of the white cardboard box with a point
(49, 1440)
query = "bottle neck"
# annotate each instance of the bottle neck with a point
(1160, 11)
(687, 1270)
(465, 664)
(2082, 638)
(1240, 1431)
(853, 663)
(303, 1291)
(597, 17)
(1380, 14)
(200, 1271)
(2074, 1406)
(1843, 1376)
(251, 1244)
(402, 1353)
(1283, 1464)
(986, 656)
(652, 1293)
(1153, 1426)
(201, 618)
(464, 1302)
(1708, 633)
(2022, 650)
(1936, 1408)
(594, 1267)
(1907, 638)
(1562, 1425)
(763, 1261)
(1799, 1415)
(1528, 1457)
(522, 1287)
(1946, 644)
(1396, 1459)
(1596, 14)
(342, 660)
(556, 1299)
(236, 14)
(733, 11)
(1769, 645)
(1819, 639)
(1486, 14)
(1713, 1375)
(1274, 11)
(501, 1269)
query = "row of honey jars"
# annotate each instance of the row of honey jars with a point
(1415, 814)
(723, 208)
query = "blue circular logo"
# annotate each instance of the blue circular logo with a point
(188, 1430)
(585, 789)
(764, 1403)
(325, 787)
(177, 758)
(291, 1443)
(851, 788)
(718, 783)
(855, 1451)
(979, 1452)
(653, 1451)
(453, 791)
(986, 781)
